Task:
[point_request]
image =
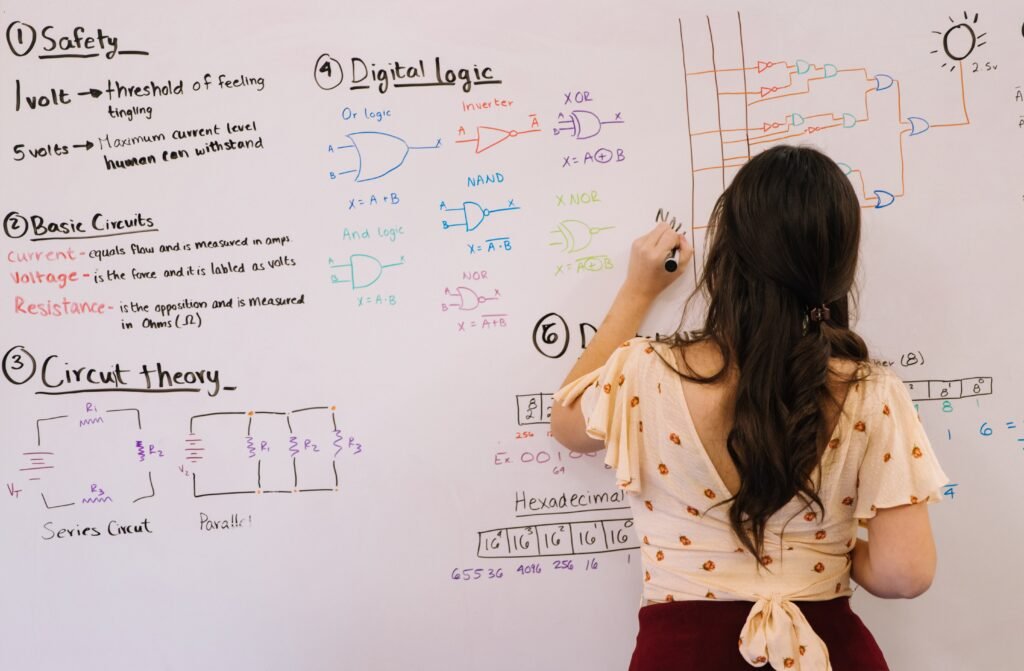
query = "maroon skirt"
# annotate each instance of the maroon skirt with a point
(702, 635)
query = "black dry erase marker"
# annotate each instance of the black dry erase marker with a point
(672, 262)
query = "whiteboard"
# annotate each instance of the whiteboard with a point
(288, 289)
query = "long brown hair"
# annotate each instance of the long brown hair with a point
(783, 239)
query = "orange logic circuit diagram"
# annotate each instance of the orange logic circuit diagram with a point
(738, 104)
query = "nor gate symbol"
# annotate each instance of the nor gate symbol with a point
(466, 298)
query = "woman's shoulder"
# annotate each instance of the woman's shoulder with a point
(627, 356)
(875, 376)
(704, 358)
(695, 358)
(873, 386)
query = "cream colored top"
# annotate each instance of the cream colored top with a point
(878, 457)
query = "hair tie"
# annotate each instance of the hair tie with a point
(819, 314)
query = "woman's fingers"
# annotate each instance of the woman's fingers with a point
(658, 237)
(646, 272)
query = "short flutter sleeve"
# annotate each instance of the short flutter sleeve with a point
(610, 402)
(899, 465)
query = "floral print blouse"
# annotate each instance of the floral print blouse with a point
(878, 457)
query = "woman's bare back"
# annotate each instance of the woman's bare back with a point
(711, 405)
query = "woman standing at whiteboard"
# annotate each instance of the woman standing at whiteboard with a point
(752, 448)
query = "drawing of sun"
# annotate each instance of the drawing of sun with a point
(959, 40)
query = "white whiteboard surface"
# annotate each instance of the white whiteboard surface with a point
(348, 482)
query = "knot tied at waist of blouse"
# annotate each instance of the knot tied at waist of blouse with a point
(777, 633)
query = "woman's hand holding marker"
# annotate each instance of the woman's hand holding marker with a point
(647, 260)
(672, 262)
